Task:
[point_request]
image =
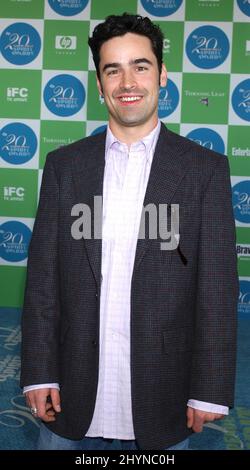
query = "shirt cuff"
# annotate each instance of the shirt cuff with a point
(209, 407)
(37, 387)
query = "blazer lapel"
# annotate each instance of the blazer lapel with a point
(88, 173)
(167, 170)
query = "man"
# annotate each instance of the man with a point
(125, 343)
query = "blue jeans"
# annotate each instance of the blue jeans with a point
(51, 441)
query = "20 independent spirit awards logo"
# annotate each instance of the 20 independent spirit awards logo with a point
(20, 43)
(64, 95)
(14, 241)
(207, 138)
(68, 7)
(207, 47)
(18, 143)
(161, 7)
(168, 99)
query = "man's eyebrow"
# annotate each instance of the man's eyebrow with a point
(111, 64)
(138, 61)
(131, 62)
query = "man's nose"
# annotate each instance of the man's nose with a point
(127, 80)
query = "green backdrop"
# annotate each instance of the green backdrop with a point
(49, 98)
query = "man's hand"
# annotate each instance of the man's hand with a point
(197, 418)
(45, 409)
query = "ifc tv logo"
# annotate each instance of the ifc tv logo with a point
(17, 94)
(12, 193)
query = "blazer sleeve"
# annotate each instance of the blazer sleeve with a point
(214, 347)
(41, 310)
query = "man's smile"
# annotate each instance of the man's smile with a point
(126, 100)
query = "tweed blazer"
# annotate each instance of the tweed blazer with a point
(183, 301)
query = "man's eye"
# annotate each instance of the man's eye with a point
(141, 68)
(112, 72)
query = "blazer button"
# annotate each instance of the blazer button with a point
(94, 342)
(96, 295)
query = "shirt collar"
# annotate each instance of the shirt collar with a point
(148, 142)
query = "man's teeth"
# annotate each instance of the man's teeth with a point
(130, 98)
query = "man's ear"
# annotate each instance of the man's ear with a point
(99, 86)
(163, 76)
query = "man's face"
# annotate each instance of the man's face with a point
(129, 80)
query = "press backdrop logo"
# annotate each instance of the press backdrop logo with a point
(244, 297)
(68, 7)
(99, 129)
(207, 138)
(241, 201)
(168, 99)
(209, 3)
(161, 7)
(20, 43)
(244, 6)
(166, 46)
(14, 241)
(18, 143)
(207, 47)
(16, 94)
(247, 48)
(10, 337)
(64, 95)
(13, 193)
(241, 99)
(65, 42)
(9, 369)
(243, 251)
(241, 152)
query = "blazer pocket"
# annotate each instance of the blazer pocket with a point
(63, 330)
(178, 339)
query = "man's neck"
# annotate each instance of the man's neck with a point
(129, 135)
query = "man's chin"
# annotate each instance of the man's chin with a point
(132, 121)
